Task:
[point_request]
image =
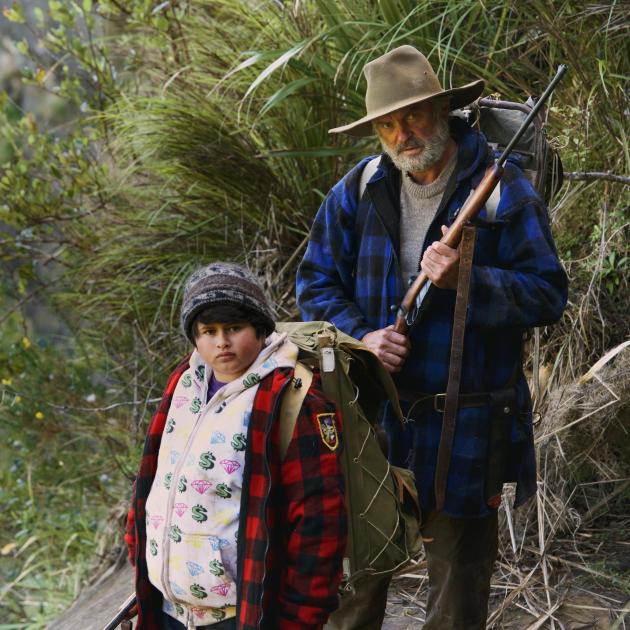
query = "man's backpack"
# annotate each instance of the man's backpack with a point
(500, 120)
(381, 499)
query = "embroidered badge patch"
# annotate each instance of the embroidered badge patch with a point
(328, 430)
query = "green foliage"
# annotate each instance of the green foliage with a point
(614, 269)
(14, 13)
(245, 134)
(62, 468)
(57, 508)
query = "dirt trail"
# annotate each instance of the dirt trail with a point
(405, 611)
(98, 603)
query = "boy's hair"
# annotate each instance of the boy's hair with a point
(231, 313)
(224, 284)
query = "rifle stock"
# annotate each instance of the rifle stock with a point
(472, 207)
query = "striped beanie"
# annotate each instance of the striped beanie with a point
(222, 283)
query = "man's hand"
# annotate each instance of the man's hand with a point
(441, 264)
(390, 347)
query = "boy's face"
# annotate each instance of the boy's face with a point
(228, 348)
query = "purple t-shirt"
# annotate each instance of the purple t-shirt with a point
(214, 387)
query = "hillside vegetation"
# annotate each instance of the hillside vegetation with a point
(189, 131)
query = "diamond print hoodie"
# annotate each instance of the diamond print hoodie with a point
(192, 512)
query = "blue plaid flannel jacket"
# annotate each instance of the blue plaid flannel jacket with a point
(350, 276)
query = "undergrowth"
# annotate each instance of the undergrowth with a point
(186, 131)
(62, 470)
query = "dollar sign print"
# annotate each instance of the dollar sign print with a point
(167, 480)
(175, 534)
(153, 547)
(195, 405)
(181, 484)
(223, 491)
(206, 460)
(216, 568)
(200, 373)
(251, 379)
(170, 425)
(180, 609)
(199, 513)
(218, 614)
(198, 591)
(186, 380)
(238, 442)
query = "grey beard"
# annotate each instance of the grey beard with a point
(433, 150)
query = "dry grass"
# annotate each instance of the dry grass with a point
(564, 558)
(210, 162)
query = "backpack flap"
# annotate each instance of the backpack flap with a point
(362, 366)
(369, 374)
(405, 483)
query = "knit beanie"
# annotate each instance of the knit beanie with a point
(222, 283)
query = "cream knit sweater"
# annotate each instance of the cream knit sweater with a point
(418, 205)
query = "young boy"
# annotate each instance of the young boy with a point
(224, 531)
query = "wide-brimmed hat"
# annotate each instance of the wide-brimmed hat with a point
(400, 78)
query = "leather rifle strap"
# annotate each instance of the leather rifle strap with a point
(451, 403)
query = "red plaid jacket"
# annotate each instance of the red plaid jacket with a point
(292, 529)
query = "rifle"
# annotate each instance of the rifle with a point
(122, 613)
(406, 314)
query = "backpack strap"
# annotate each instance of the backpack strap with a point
(291, 405)
(493, 202)
(366, 175)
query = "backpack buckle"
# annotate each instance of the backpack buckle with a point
(436, 399)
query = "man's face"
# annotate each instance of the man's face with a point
(415, 137)
(228, 348)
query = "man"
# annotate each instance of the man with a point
(360, 258)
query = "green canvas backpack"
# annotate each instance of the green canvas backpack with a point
(382, 501)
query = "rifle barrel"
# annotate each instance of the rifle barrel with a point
(539, 103)
(473, 205)
(122, 613)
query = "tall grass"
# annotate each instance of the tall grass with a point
(233, 152)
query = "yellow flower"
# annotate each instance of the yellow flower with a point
(26, 343)
(7, 381)
(39, 415)
(17, 400)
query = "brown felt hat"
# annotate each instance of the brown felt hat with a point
(400, 78)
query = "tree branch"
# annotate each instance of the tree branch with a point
(590, 176)
(12, 392)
